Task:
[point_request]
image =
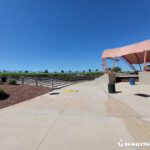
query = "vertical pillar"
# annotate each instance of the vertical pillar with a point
(144, 67)
(103, 64)
(36, 82)
(113, 65)
(52, 84)
(22, 80)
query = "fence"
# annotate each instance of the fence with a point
(53, 81)
(54, 84)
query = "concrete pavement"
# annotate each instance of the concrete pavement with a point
(89, 119)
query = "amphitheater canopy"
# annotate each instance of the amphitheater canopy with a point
(137, 53)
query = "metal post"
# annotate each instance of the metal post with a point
(36, 82)
(22, 80)
(52, 84)
(144, 67)
(103, 65)
(113, 65)
(138, 61)
(130, 65)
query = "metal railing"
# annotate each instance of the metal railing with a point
(54, 84)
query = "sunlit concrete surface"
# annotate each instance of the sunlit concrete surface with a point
(89, 119)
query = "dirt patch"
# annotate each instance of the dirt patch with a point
(19, 93)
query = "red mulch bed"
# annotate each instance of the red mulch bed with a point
(19, 93)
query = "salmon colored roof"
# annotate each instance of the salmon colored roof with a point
(133, 53)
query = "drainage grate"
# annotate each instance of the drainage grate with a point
(54, 93)
(142, 95)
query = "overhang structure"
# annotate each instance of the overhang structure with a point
(137, 53)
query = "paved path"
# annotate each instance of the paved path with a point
(89, 119)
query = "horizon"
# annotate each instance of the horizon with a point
(68, 35)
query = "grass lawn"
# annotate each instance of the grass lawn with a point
(38, 74)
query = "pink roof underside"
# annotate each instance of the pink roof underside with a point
(133, 53)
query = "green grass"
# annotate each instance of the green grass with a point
(11, 81)
(42, 74)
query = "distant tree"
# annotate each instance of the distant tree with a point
(26, 71)
(55, 72)
(117, 69)
(77, 71)
(84, 71)
(70, 71)
(62, 71)
(96, 70)
(90, 70)
(46, 71)
(109, 69)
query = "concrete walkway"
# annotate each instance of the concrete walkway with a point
(89, 119)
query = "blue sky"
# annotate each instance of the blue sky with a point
(68, 34)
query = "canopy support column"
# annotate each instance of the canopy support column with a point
(130, 65)
(113, 65)
(144, 67)
(138, 61)
(104, 65)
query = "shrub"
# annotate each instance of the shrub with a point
(46, 71)
(26, 71)
(3, 94)
(90, 70)
(117, 69)
(11, 81)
